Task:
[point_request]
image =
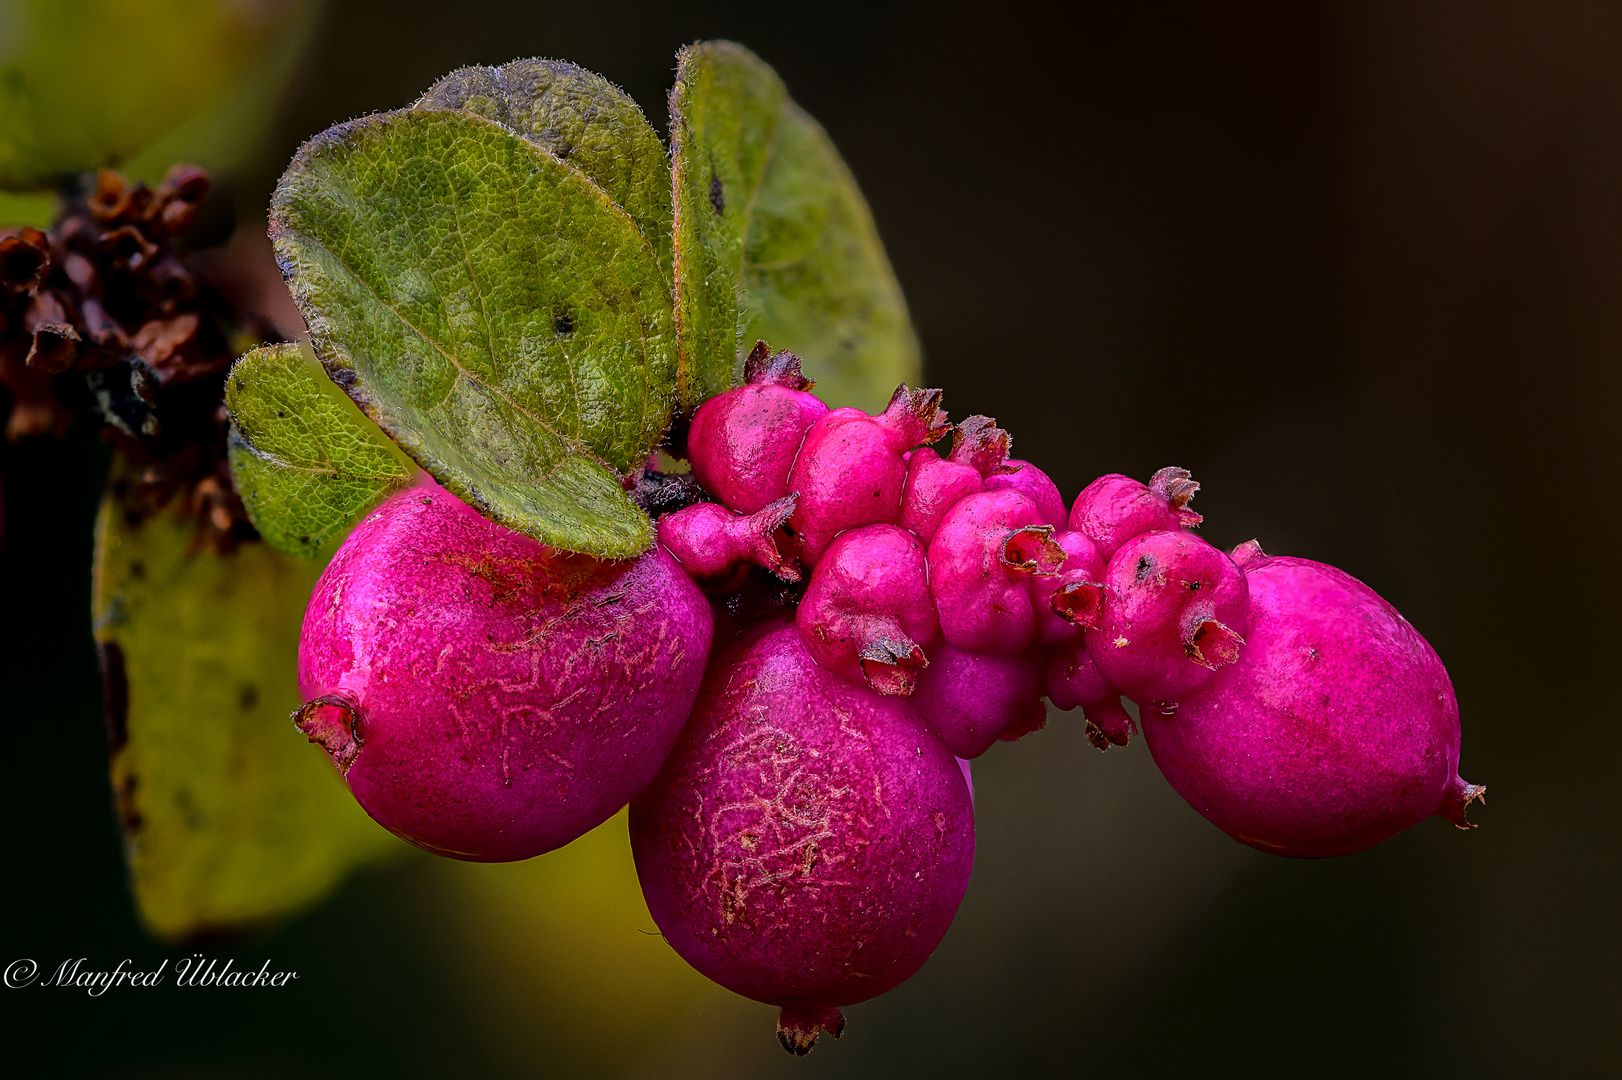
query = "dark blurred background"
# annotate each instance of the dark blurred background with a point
(1358, 266)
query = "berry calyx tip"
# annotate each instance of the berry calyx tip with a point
(799, 1026)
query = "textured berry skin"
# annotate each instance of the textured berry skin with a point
(1113, 509)
(850, 470)
(1336, 729)
(970, 700)
(935, 484)
(485, 697)
(867, 615)
(978, 562)
(711, 542)
(1173, 613)
(742, 442)
(1036, 486)
(808, 841)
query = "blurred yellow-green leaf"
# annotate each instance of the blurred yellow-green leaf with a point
(774, 240)
(36, 208)
(88, 83)
(567, 956)
(231, 820)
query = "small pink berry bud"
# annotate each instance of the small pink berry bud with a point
(711, 542)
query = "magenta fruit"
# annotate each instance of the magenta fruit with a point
(1336, 729)
(978, 563)
(1173, 613)
(970, 700)
(808, 841)
(1113, 509)
(850, 469)
(484, 696)
(712, 543)
(742, 443)
(867, 614)
(1035, 485)
(935, 484)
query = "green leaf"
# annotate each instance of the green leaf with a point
(492, 309)
(230, 819)
(94, 82)
(306, 463)
(583, 119)
(774, 240)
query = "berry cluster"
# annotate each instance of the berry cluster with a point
(961, 582)
(801, 805)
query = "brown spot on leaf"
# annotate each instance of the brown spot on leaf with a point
(129, 818)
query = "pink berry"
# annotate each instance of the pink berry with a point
(850, 469)
(1173, 613)
(1336, 729)
(935, 484)
(970, 699)
(1073, 679)
(808, 841)
(1070, 599)
(712, 543)
(484, 696)
(1036, 486)
(867, 615)
(742, 442)
(1113, 509)
(978, 563)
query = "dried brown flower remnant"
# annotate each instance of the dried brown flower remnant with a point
(25, 257)
(103, 317)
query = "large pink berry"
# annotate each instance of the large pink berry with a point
(1173, 613)
(742, 442)
(971, 700)
(484, 696)
(935, 484)
(1336, 729)
(867, 614)
(1035, 485)
(1113, 509)
(850, 469)
(979, 560)
(713, 543)
(808, 841)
